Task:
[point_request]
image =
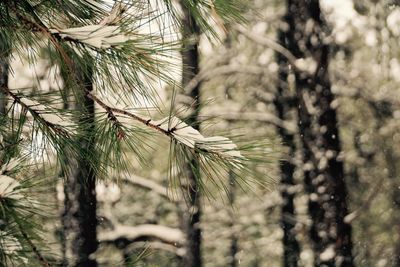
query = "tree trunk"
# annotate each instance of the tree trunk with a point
(3, 82)
(79, 218)
(234, 247)
(291, 248)
(383, 111)
(190, 68)
(319, 135)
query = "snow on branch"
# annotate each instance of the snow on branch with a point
(41, 112)
(145, 232)
(99, 36)
(180, 132)
(8, 188)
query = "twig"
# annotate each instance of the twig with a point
(148, 184)
(35, 250)
(349, 218)
(222, 70)
(252, 116)
(111, 111)
(17, 99)
(270, 43)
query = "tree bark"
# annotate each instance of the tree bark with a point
(190, 68)
(319, 135)
(3, 82)
(383, 111)
(79, 218)
(234, 246)
(291, 247)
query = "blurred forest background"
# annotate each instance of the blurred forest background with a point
(316, 81)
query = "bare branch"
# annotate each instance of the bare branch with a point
(349, 218)
(270, 43)
(252, 116)
(149, 184)
(222, 70)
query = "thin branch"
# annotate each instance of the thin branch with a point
(148, 184)
(112, 111)
(34, 113)
(252, 116)
(222, 70)
(35, 250)
(349, 218)
(270, 43)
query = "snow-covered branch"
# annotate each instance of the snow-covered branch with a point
(145, 232)
(180, 132)
(40, 112)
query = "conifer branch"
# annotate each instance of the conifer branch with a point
(218, 146)
(17, 99)
(111, 113)
(35, 250)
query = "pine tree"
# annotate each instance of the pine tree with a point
(190, 68)
(284, 104)
(104, 57)
(319, 134)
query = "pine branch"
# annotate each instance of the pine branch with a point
(35, 250)
(55, 127)
(111, 112)
(171, 127)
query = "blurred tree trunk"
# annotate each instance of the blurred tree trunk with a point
(8, 148)
(190, 68)
(383, 112)
(234, 246)
(319, 135)
(3, 81)
(79, 218)
(291, 248)
(233, 249)
(392, 162)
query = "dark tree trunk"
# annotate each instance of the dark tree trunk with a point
(234, 247)
(10, 139)
(190, 68)
(394, 174)
(291, 248)
(383, 111)
(319, 135)
(79, 218)
(3, 82)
